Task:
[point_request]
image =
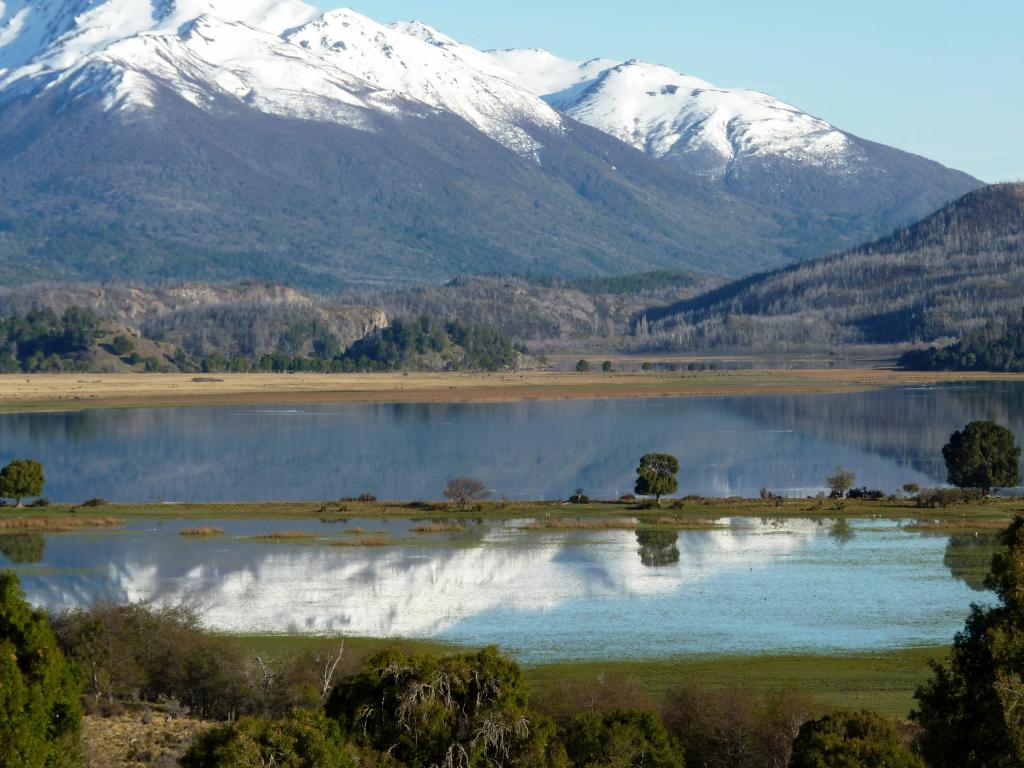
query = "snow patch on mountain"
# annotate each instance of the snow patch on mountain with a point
(56, 34)
(543, 73)
(391, 59)
(210, 60)
(665, 113)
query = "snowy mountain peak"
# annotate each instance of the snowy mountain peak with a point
(543, 73)
(432, 74)
(705, 128)
(63, 32)
(424, 32)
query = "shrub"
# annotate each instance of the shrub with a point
(865, 494)
(364, 497)
(620, 739)
(851, 740)
(839, 482)
(466, 709)
(579, 497)
(96, 502)
(40, 718)
(734, 727)
(41, 502)
(304, 739)
(137, 652)
(121, 345)
(607, 367)
(582, 366)
(462, 490)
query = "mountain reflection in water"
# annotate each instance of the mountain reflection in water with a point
(747, 587)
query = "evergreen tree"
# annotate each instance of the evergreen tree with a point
(40, 718)
(984, 456)
(971, 710)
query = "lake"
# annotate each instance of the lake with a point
(750, 587)
(531, 450)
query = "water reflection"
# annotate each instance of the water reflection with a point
(969, 557)
(545, 595)
(727, 446)
(657, 548)
(841, 531)
(22, 547)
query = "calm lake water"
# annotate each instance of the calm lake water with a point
(751, 587)
(534, 450)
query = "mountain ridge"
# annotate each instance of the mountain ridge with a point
(151, 138)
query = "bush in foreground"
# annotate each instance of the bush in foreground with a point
(851, 740)
(465, 710)
(40, 719)
(621, 739)
(305, 739)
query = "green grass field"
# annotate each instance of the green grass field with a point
(882, 681)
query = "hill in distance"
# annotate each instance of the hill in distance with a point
(936, 280)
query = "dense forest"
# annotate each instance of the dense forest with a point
(283, 338)
(996, 347)
(42, 340)
(941, 278)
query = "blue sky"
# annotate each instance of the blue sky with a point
(940, 78)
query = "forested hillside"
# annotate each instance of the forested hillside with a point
(996, 347)
(937, 280)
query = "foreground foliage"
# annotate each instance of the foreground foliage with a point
(851, 740)
(40, 719)
(304, 739)
(971, 709)
(463, 710)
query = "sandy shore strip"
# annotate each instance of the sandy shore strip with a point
(61, 392)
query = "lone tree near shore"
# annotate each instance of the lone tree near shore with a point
(463, 490)
(983, 456)
(656, 475)
(840, 482)
(20, 479)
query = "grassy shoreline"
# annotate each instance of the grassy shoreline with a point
(28, 393)
(689, 513)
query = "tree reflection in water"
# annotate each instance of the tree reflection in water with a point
(969, 557)
(657, 548)
(22, 547)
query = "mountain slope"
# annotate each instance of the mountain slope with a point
(224, 139)
(756, 146)
(939, 278)
(223, 193)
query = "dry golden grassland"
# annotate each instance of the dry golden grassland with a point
(50, 392)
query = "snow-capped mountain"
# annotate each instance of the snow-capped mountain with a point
(705, 128)
(281, 58)
(264, 138)
(391, 59)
